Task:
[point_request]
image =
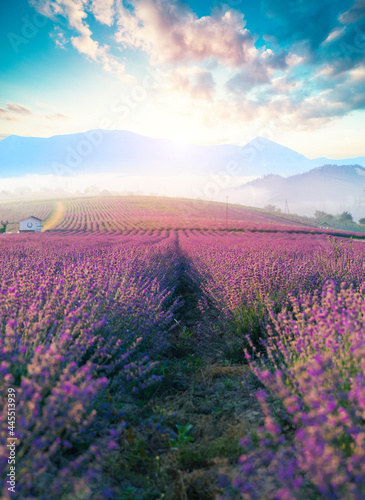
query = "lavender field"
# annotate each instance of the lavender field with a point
(156, 354)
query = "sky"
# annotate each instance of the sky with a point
(203, 72)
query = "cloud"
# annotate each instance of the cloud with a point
(18, 108)
(47, 8)
(258, 71)
(328, 83)
(284, 85)
(306, 109)
(301, 83)
(86, 45)
(334, 35)
(326, 32)
(354, 14)
(74, 11)
(9, 117)
(5, 115)
(59, 37)
(214, 69)
(57, 116)
(247, 79)
(358, 75)
(275, 60)
(103, 11)
(286, 102)
(307, 22)
(192, 82)
(346, 51)
(14, 112)
(170, 33)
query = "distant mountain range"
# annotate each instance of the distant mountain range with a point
(331, 187)
(127, 153)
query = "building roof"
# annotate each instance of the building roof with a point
(31, 217)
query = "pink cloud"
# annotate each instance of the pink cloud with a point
(171, 33)
(9, 117)
(194, 82)
(57, 116)
(18, 108)
(13, 112)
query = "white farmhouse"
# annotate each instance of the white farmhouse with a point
(30, 225)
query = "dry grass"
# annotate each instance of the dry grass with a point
(220, 410)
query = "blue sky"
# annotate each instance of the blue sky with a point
(205, 72)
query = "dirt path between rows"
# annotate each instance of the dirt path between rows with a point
(194, 418)
(56, 217)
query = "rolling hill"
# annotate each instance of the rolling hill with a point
(330, 187)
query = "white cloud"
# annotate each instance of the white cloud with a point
(334, 35)
(103, 11)
(59, 37)
(74, 11)
(358, 74)
(86, 45)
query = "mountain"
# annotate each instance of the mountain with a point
(97, 151)
(127, 153)
(272, 158)
(331, 187)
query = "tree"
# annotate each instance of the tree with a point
(362, 221)
(4, 224)
(345, 217)
(319, 214)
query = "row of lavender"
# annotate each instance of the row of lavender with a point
(81, 322)
(120, 213)
(308, 295)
